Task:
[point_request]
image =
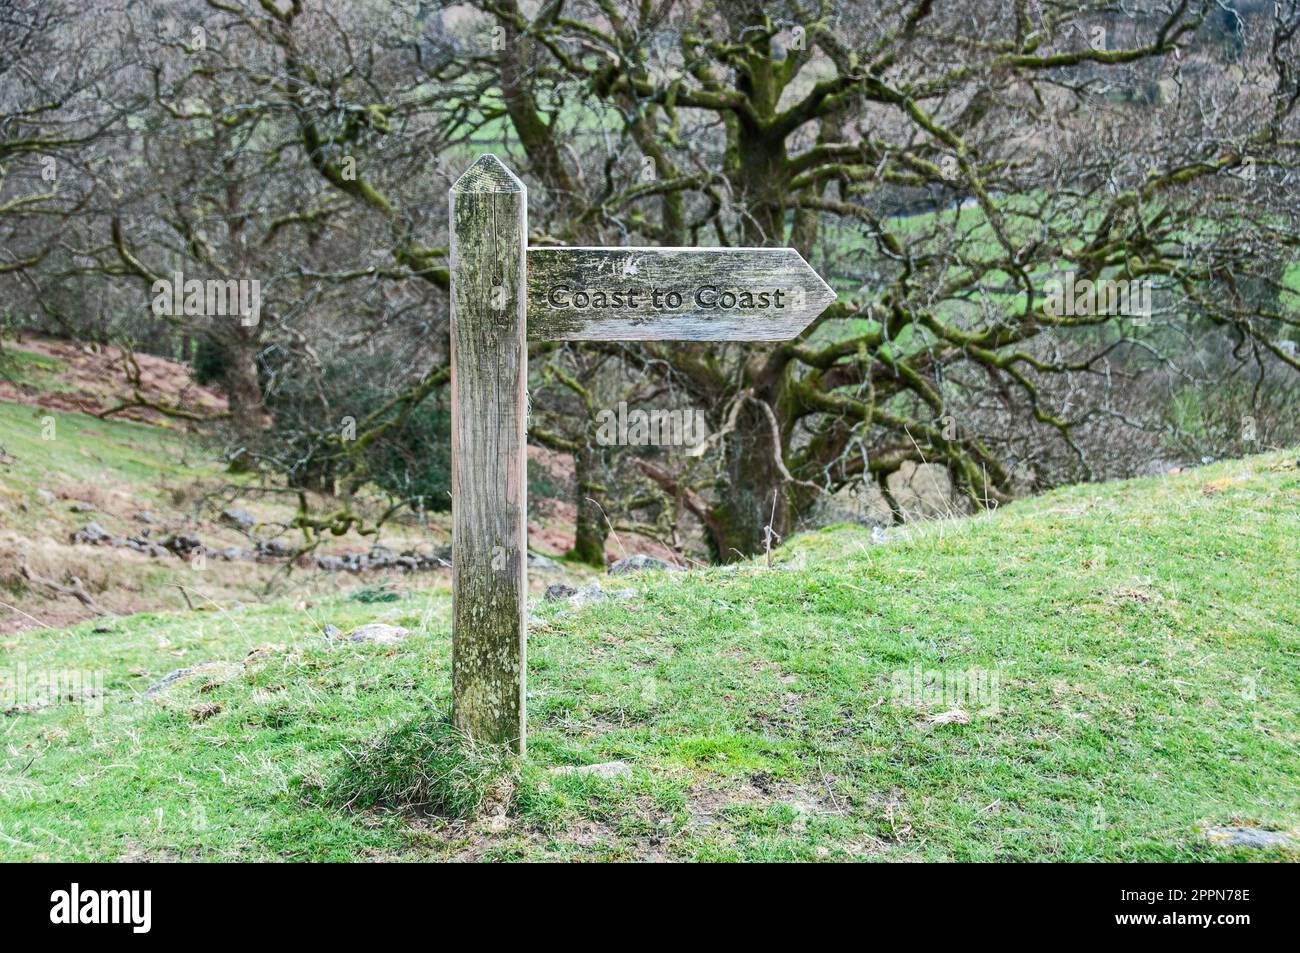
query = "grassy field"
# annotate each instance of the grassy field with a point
(53, 448)
(33, 370)
(1118, 665)
(61, 470)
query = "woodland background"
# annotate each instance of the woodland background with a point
(938, 163)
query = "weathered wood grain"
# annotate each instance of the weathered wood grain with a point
(502, 293)
(691, 294)
(489, 361)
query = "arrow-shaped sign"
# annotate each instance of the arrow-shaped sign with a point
(566, 294)
(684, 294)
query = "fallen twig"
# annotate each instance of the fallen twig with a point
(76, 590)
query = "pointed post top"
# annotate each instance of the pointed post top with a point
(488, 174)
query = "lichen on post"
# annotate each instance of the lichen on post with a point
(489, 362)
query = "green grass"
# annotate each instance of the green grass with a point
(53, 445)
(27, 369)
(53, 448)
(425, 764)
(1143, 637)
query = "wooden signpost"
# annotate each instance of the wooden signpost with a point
(503, 293)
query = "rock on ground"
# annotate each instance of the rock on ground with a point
(380, 558)
(606, 770)
(543, 563)
(559, 590)
(925, 491)
(182, 544)
(92, 534)
(214, 673)
(585, 596)
(594, 593)
(1253, 837)
(236, 517)
(141, 544)
(378, 633)
(860, 503)
(274, 548)
(639, 563)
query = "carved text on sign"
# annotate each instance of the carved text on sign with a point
(684, 294)
(705, 298)
(505, 292)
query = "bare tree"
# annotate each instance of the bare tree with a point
(952, 168)
(1040, 140)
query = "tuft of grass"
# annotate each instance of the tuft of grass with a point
(37, 371)
(425, 764)
(373, 594)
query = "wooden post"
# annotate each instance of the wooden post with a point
(489, 377)
(575, 294)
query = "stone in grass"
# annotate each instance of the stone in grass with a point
(379, 633)
(559, 590)
(241, 519)
(924, 491)
(93, 534)
(273, 548)
(542, 563)
(639, 563)
(211, 673)
(587, 595)
(861, 502)
(182, 544)
(593, 593)
(607, 770)
(1252, 837)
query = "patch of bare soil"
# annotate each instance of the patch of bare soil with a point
(708, 805)
(474, 841)
(42, 569)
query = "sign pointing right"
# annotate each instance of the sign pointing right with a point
(684, 294)
(503, 292)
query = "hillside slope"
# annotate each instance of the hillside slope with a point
(1102, 673)
(70, 376)
(139, 479)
